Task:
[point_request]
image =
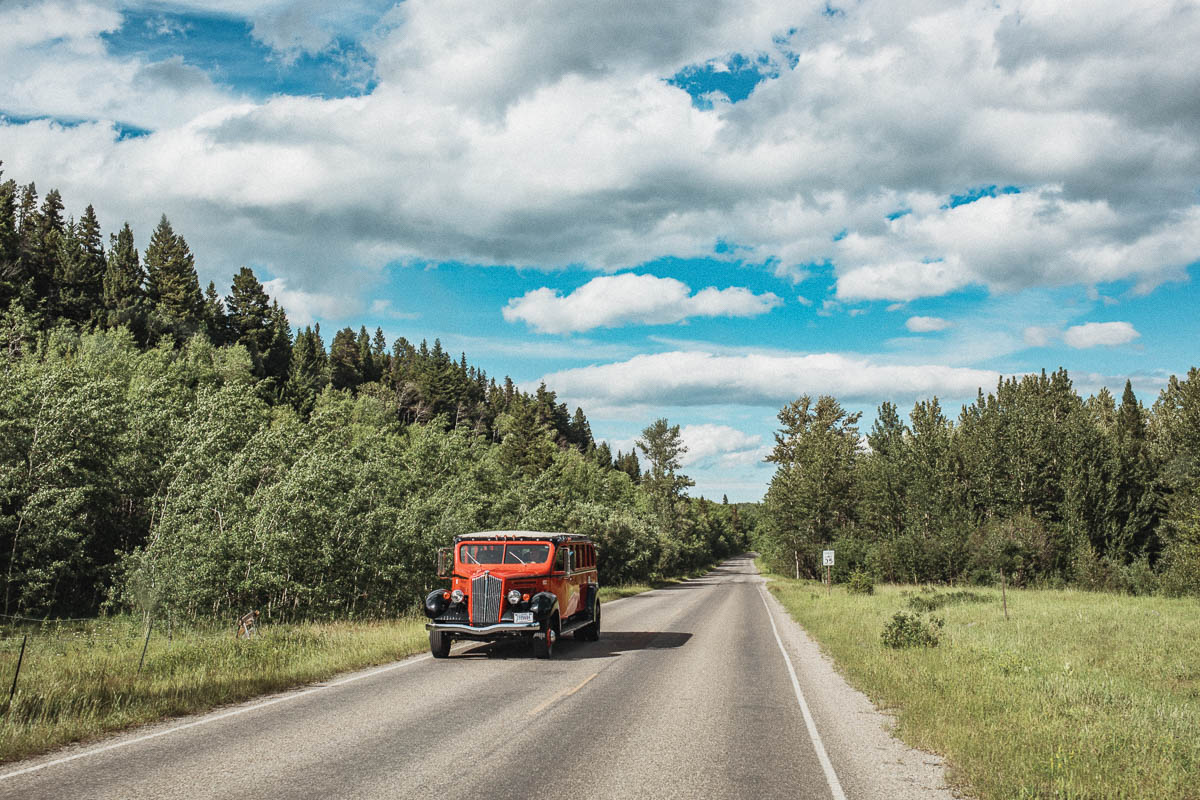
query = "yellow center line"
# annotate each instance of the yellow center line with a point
(561, 696)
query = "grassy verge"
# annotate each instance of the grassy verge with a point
(1078, 695)
(80, 681)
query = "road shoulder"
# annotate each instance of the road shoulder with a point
(870, 762)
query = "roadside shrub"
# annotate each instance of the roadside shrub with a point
(932, 602)
(912, 630)
(1140, 578)
(860, 582)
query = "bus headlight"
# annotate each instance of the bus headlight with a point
(456, 596)
(514, 596)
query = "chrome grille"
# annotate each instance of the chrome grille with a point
(485, 599)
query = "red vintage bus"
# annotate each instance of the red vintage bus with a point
(527, 584)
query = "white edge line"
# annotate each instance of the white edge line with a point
(831, 777)
(216, 718)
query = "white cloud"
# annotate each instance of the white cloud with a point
(708, 443)
(303, 307)
(1040, 335)
(1013, 241)
(681, 378)
(927, 324)
(534, 134)
(1100, 334)
(626, 299)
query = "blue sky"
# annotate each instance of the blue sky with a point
(698, 210)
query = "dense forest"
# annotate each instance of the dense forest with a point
(167, 449)
(1031, 482)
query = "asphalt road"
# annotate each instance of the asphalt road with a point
(688, 694)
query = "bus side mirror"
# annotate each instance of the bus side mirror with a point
(445, 562)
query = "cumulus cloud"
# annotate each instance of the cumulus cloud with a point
(694, 378)
(611, 301)
(709, 444)
(304, 307)
(537, 134)
(927, 324)
(1040, 335)
(1100, 334)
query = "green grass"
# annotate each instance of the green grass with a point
(1078, 695)
(79, 681)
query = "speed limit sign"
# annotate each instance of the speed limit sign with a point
(827, 558)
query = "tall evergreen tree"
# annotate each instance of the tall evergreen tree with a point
(309, 371)
(250, 316)
(216, 321)
(171, 283)
(91, 282)
(28, 232)
(10, 243)
(1136, 504)
(124, 293)
(44, 258)
(581, 432)
(278, 360)
(79, 271)
(365, 358)
(526, 444)
(345, 364)
(628, 463)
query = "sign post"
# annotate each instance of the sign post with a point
(827, 560)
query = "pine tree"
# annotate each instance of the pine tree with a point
(379, 356)
(250, 316)
(628, 463)
(526, 446)
(365, 359)
(91, 281)
(345, 365)
(124, 294)
(309, 371)
(171, 283)
(44, 259)
(79, 271)
(1137, 505)
(602, 455)
(581, 432)
(28, 226)
(278, 361)
(10, 243)
(216, 321)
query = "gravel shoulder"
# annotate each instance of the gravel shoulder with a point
(870, 762)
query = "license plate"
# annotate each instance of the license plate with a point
(522, 616)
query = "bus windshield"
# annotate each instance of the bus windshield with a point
(504, 553)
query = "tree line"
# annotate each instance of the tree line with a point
(166, 448)
(1031, 480)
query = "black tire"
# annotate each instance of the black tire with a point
(591, 631)
(543, 645)
(439, 644)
